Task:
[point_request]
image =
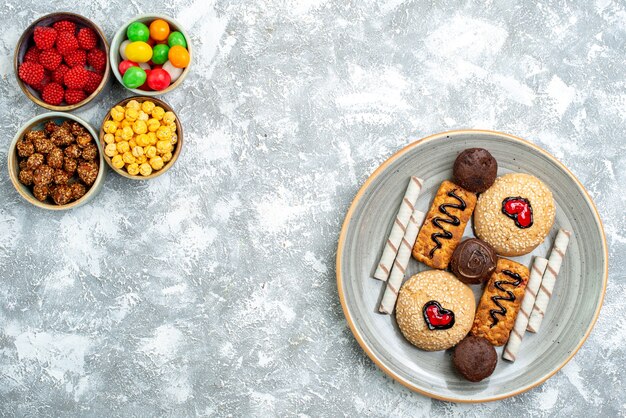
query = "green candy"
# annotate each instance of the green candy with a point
(137, 31)
(134, 77)
(176, 38)
(159, 53)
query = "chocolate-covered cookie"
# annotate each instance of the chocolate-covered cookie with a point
(473, 261)
(475, 169)
(474, 358)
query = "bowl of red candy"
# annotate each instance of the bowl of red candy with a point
(61, 61)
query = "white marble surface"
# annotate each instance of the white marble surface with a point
(211, 290)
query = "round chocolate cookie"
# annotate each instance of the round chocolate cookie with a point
(474, 358)
(473, 261)
(475, 169)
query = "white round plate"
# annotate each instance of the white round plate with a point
(578, 293)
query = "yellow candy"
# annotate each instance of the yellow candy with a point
(164, 133)
(133, 104)
(147, 106)
(117, 113)
(109, 138)
(131, 114)
(145, 169)
(133, 169)
(137, 151)
(117, 161)
(110, 150)
(166, 156)
(174, 139)
(172, 127)
(142, 140)
(153, 124)
(128, 157)
(163, 147)
(127, 133)
(141, 159)
(158, 112)
(110, 126)
(150, 151)
(140, 127)
(169, 117)
(125, 123)
(152, 138)
(143, 116)
(132, 143)
(156, 163)
(139, 51)
(123, 147)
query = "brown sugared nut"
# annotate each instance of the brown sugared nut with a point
(24, 164)
(87, 172)
(31, 135)
(43, 145)
(77, 129)
(34, 161)
(73, 151)
(25, 149)
(78, 190)
(90, 152)
(61, 176)
(55, 158)
(51, 126)
(83, 140)
(41, 191)
(70, 165)
(26, 177)
(62, 195)
(43, 175)
(62, 137)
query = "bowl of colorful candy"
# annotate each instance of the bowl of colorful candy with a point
(142, 137)
(61, 61)
(150, 55)
(55, 161)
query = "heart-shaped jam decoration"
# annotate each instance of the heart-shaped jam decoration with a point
(437, 317)
(520, 210)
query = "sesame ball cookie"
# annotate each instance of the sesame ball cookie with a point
(515, 214)
(435, 310)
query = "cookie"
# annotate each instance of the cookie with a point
(515, 215)
(500, 302)
(475, 170)
(474, 358)
(473, 261)
(445, 223)
(435, 310)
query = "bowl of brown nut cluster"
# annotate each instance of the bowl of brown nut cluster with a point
(55, 161)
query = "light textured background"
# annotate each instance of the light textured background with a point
(211, 290)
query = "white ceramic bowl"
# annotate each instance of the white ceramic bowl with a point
(37, 123)
(120, 36)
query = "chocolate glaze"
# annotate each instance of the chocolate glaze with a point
(473, 261)
(452, 220)
(510, 298)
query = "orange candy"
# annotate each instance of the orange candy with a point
(159, 30)
(178, 56)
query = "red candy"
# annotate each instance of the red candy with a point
(125, 65)
(158, 79)
(436, 316)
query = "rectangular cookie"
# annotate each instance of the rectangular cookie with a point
(444, 225)
(500, 302)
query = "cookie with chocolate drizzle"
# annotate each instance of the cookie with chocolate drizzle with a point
(444, 225)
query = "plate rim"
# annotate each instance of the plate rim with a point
(341, 245)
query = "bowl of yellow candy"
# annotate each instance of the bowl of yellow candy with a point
(142, 137)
